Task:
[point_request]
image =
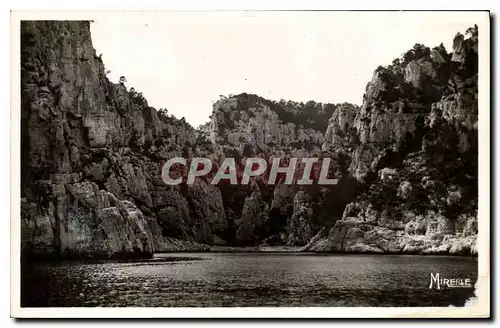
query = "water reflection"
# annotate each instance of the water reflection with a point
(248, 279)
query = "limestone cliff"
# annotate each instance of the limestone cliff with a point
(247, 125)
(414, 145)
(92, 153)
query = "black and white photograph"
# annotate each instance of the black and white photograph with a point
(251, 160)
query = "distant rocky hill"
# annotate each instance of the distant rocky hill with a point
(92, 153)
(249, 123)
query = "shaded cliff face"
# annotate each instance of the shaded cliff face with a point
(92, 153)
(414, 145)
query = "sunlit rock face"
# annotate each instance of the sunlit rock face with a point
(92, 153)
(416, 151)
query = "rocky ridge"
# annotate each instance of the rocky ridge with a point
(414, 144)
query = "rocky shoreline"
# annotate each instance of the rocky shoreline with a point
(92, 153)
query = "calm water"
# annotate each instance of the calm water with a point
(249, 279)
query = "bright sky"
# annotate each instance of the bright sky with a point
(183, 61)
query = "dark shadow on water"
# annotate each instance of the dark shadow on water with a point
(158, 260)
